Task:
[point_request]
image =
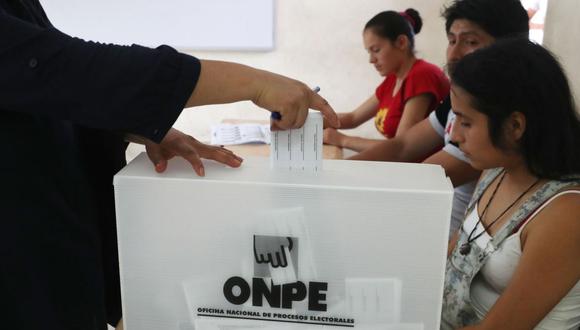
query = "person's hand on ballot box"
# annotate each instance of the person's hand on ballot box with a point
(176, 143)
(225, 82)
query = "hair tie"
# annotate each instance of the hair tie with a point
(409, 19)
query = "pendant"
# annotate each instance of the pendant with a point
(465, 248)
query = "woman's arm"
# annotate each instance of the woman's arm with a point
(226, 82)
(361, 114)
(353, 119)
(410, 146)
(547, 270)
(415, 110)
(356, 143)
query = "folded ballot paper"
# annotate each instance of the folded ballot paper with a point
(230, 134)
(301, 148)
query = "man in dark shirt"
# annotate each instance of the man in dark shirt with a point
(66, 107)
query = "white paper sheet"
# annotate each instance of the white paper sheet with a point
(299, 149)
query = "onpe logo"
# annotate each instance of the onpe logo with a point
(275, 252)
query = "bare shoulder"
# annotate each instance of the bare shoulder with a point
(567, 204)
(560, 219)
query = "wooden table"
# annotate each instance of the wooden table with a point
(263, 150)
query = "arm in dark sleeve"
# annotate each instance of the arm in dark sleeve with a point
(442, 111)
(128, 88)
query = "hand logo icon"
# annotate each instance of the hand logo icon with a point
(272, 250)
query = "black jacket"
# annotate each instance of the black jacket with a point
(64, 106)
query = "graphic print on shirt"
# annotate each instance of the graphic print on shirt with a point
(380, 119)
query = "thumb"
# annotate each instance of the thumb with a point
(317, 102)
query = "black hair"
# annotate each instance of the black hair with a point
(499, 18)
(391, 24)
(518, 75)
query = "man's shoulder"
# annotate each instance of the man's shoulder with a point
(442, 111)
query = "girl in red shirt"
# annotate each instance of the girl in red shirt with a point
(412, 87)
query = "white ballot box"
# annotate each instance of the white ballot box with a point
(357, 245)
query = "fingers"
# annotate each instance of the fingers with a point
(155, 154)
(295, 114)
(193, 151)
(320, 104)
(287, 118)
(330, 136)
(301, 115)
(196, 150)
(333, 137)
(220, 155)
(327, 136)
(161, 166)
(175, 146)
(293, 119)
(176, 143)
(191, 155)
(291, 99)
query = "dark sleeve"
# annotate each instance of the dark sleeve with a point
(127, 88)
(442, 111)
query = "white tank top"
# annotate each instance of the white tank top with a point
(497, 272)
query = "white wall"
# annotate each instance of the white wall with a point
(320, 43)
(561, 37)
(235, 24)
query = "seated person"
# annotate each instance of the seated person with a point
(470, 25)
(514, 262)
(412, 87)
